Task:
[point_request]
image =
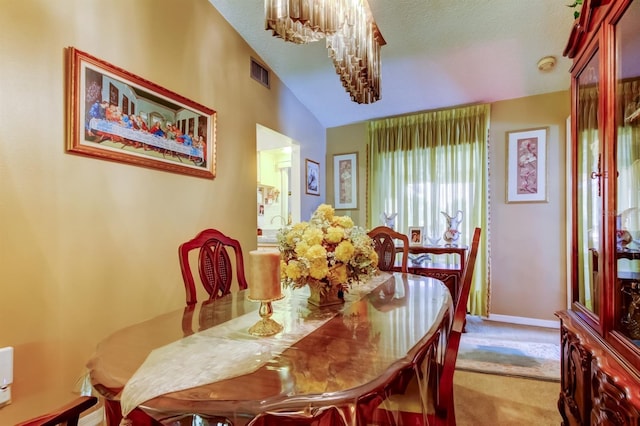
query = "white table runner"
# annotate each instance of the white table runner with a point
(224, 351)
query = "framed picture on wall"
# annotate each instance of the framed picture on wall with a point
(115, 115)
(345, 181)
(312, 177)
(527, 166)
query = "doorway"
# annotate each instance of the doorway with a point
(278, 162)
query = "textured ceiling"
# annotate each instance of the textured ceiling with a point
(439, 53)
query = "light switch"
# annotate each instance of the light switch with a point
(6, 375)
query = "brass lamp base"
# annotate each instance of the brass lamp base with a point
(265, 326)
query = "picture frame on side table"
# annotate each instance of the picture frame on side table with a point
(345, 181)
(416, 235)
(527, 166)
(115, 115)
(312, 177)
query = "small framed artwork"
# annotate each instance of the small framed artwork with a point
(312, 177)
(416, 235)
(115, 115)
(345, 181)
(527, 166)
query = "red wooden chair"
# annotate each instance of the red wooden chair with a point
(405, 409)
(67, 414)
(383, 239)
(214, 264)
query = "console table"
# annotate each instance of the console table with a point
(448, 273)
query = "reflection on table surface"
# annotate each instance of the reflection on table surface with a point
(360, 350)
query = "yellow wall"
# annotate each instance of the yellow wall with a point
(88, 246)
(527, 241)
(346, 140)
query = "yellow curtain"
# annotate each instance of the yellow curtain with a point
(424, 164)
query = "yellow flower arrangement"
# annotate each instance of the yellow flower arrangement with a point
(328, 251)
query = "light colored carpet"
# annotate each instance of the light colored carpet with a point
(490, 399)
(510, 349)
(495, 400)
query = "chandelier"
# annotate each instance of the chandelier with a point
(352, 38)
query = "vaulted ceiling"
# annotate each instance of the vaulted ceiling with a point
(439, 53)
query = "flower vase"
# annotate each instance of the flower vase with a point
(325, 295)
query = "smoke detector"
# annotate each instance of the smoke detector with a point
(547, 63)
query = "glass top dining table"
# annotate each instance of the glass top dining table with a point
(332, 365)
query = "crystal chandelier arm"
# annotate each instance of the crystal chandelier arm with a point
(352, 37)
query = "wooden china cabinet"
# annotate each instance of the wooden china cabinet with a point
(600, 333)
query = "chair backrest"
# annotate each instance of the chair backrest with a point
(445, 405)
(214, 264)
(383, 240)
(67, 414)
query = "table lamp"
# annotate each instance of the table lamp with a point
(265, 287)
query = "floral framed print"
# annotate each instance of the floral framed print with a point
(115, 115)
(312, 177)
(345, 181)
(527, 166)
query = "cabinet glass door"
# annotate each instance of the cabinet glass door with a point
(588, 183)
(627, 104)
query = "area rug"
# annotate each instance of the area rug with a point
(496, 355)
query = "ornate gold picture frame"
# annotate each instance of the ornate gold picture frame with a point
(118, 116)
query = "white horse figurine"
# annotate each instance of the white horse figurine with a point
(452, 234)
(389, 220)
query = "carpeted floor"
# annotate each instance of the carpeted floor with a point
(497, 396)
(497, 400)
(502, 399)
(510, 349)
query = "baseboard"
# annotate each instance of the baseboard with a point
(95, 418)
(524, 321)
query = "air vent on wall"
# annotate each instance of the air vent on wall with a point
(259, 73)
